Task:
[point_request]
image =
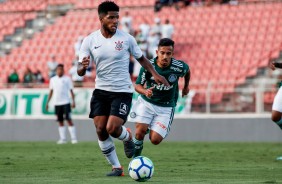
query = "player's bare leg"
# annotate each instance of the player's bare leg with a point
(276, 117)
(141, 130)
(72, 131)
(155, 137)
(107, 145)
(62, 133)
(116, 129)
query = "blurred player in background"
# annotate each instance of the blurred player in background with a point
(61, 85)
(154, 109)
(277, 103)
(110, 49)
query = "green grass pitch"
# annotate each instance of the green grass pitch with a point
(175, 162)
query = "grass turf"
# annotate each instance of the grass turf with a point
(175, 162)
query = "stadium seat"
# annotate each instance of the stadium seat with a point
(236, 40)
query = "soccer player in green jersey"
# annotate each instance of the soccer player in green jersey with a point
(154, 108)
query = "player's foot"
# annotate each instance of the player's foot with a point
(61, 141)
(116, 172)
(279, 158)
(129, 147)
(74, 141)
(138, 151)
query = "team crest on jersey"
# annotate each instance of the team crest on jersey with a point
(119, 45)
(123, 109)
(172, 78)
(133, 115)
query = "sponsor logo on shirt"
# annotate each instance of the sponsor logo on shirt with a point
(119, 45)
(161, 87)
(123, 109)
(96, 47)
(175, 69)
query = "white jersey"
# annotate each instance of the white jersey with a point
(111, 56)
(61, 87)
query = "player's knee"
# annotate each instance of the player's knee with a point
(70, 123)
(275, 118)
(100, 130)
(140, 134)
(156, 141)
(112, 130)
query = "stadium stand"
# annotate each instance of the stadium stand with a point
(22, 5)
(84, 4)
(220, 43)
(11, 21)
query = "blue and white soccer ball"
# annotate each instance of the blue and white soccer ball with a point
(141, 168)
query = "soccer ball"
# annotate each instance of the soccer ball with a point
(141, 168)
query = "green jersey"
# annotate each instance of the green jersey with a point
(162, 95)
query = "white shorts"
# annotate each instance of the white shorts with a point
(277, 103)
(158, 118)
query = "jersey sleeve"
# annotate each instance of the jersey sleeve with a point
(134, 49)
(84, 50)
(185, 69)
(141, 79)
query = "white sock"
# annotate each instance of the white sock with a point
(124, 136)
(72, 131)
(108, 149)
(62, 132)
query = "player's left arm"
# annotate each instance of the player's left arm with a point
(72, 93)
(73, 99)
(185, 89)
(186, 74)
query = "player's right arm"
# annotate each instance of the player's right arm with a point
(50, 94)
(84, 57)
(137, 53)
(157, 77)
(83, 65)
(49, 98)
(140, 83)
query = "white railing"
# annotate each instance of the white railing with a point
(209, 97)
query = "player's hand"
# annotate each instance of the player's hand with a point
(271, 65)
(149, 92)
(73, 105)
(185, 91)
(46, 107)
(85, 62)
(161, 80)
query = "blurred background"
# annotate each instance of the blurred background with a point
(227, 44)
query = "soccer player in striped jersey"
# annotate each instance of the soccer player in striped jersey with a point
(154, 109)
(110, 49)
